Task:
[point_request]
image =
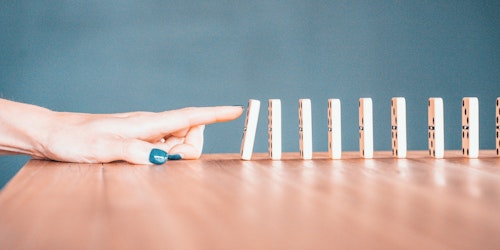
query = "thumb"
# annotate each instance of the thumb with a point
(140, 152)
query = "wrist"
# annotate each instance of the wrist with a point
(40, 134)
(24, 128)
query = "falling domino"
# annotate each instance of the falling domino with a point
(305, 129)
(274, 128)
(334, 129)
(365, 128)
(470, 127)
(436, 127)
(498, 126)
(250, 129)
(398, 127)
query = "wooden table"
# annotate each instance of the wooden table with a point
(221, 202)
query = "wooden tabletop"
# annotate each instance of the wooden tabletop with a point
(221, 202)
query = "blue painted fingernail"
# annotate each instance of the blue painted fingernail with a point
(174, 157)
(158, 156)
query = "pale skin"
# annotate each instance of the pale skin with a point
(101, 138)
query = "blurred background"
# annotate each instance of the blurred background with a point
(116, 56)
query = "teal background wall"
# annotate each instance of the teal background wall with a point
(116, 56)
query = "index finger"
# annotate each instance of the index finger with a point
(188, 117)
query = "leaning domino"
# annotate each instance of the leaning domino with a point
(436, 127)
(470, 127)
(305, 129)
(365, 128)
(498, 126)
(334, 129)
(250, 129)
(274, 128)
(398, 127)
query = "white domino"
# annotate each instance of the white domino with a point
(334, 129)
(498, 126)
(398, 127)
(436, 127)
(250, 129)
(274, 128)
(365, 128)
(305, 129)
(470, 127)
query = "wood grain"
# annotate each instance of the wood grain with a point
(221, 202)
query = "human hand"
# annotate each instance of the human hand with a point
(100, 138)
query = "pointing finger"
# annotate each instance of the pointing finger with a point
(152, 127)
(190, 117)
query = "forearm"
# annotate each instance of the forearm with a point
(23, 128)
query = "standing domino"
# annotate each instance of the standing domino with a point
(250, 129)
(365, 128)
(436, 127)
(274, 128)
(334, 129)
(470, 127)
(305, 129)
(498, 125)
(398, 127)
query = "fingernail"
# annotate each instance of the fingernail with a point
(175, 157)
(241, 106)
(158, 156)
